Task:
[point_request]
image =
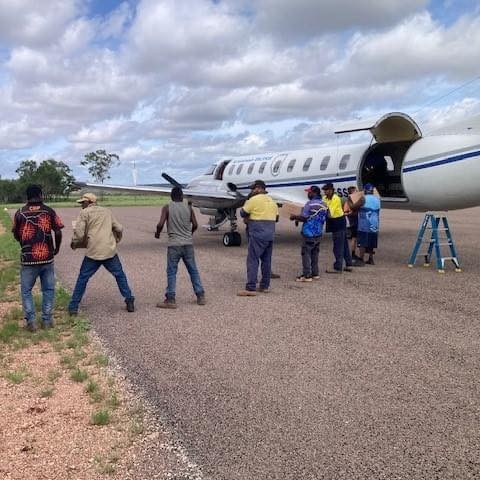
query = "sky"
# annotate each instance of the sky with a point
(175, 85)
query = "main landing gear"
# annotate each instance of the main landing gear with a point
(231, 238)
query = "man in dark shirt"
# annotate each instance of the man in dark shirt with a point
(33, 225)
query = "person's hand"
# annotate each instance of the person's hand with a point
(292, 217)
(157, 234)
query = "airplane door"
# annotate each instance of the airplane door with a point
(221, 169)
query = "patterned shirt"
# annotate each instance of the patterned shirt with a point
(32, 227)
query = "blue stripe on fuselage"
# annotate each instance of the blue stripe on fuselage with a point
(456, 158)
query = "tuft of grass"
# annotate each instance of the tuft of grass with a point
(101, 417)
(47, 392)
(16, 376)
(68, 361)
(62, 298)
(93, 389)
(113, 402)
(100, 360)
(79, 375)
(9, 331)
(53, 375)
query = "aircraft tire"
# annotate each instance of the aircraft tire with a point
(232, 239)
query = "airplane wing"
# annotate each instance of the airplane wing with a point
(162, 191)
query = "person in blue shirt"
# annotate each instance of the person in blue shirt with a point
(313, 216)
(368, 209)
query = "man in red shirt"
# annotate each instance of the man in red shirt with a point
(34, 226)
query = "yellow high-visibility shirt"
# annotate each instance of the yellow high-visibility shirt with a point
(334, 206)
(261, 207)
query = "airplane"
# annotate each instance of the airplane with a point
(410, 171)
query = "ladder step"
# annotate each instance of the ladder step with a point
(439, 229)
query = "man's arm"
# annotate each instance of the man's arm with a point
(161, 222)
(193, 219)
(79, 232)
(357, 205)
(58, 241)
(16, 226)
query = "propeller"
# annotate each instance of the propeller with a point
(171, 180)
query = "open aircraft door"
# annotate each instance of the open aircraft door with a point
(382, 162)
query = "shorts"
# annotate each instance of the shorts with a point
(367, 240)
(352, 231)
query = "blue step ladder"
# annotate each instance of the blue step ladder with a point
(436, 223)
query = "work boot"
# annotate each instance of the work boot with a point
(274, 275)
(359, 263)
(167, 303)
(262, 290)
(247, 293)
(130, 304)
(31, 327)
(73, 313)
(201, 299)
(333, 270)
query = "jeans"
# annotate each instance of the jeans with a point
(88, 269)
(28, 277)
(310, 250)
(341, 250)
(186, 253)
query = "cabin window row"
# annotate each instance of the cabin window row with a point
(290, 165)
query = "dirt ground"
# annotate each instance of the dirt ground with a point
(46, 419)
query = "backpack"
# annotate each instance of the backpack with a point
(313, 226)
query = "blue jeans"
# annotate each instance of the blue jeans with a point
(341, 250)
(28, 277)
(186, 253)
(88, 269)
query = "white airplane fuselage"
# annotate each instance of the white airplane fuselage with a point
(440, 172)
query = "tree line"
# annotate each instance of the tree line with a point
(54, 176)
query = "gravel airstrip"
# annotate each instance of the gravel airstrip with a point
(366, 375)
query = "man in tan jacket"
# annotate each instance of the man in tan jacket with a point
(97, 230)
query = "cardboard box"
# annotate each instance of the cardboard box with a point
(290, 208)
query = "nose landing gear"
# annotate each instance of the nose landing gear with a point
(232, 238)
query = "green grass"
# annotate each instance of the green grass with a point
(93, 389)
(16, 376)
(107, 200)
(101, 417)
(53, 375)
(100, 360)
(9, 247)
(79, 375)
(47, 392)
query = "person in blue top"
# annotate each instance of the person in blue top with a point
(313, 216)
(368, 224)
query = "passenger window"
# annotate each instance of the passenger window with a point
(262, 167)
(344, 162)
(250, 168)
(291, 164)
(231, 169)
(324, 164)
(239, 169)
(307, 164)
(276, 167)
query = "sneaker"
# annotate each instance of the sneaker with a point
(316, 277)
(359, 263)
(201, 299)
(247, 293)
(274, 275)
(328, 270)
(301, 278)
(262, 290)
(370, 261)
(130, 305)
(167, 303)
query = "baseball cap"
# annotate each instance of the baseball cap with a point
(328, 186)
(258, 183)
(313, 189)
(368, 187)
(88, 197)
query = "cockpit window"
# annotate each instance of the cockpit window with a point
(211, 169)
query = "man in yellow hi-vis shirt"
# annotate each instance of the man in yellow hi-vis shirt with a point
(262, 213)
(337, 225)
